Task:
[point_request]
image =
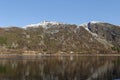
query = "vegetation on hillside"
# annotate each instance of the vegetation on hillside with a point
(62, 38)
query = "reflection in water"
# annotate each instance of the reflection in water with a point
(61, 68)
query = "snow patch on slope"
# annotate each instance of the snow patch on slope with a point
(85, 26)
(97, 37)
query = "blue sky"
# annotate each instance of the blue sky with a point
(23, 12)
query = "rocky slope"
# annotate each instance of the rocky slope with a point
(54, 37)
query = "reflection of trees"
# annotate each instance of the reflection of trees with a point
(55, 68)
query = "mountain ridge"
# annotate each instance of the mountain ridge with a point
(55, 37)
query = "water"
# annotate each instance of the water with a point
(60, 68)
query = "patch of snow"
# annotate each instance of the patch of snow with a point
(35, 25)
(47, 22)
(94, 22)
(85, 25)
(103, 41)
(93, 34)
(43, 24)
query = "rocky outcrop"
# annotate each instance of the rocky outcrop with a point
(106, 31)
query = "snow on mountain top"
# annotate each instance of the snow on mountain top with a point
(44, 24)
(97, 22)
(31, 25)
(94, 21)
(48, 22)
(84, 24)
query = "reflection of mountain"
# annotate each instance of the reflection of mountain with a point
(102, 71)
(57, 68)
(52, 37)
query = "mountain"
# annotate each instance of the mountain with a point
(55, 37)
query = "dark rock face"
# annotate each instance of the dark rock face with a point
(107, 31)
(53, 38)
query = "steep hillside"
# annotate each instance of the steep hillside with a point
(54, 37)
(106, 31)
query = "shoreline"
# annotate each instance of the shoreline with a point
(7, 55)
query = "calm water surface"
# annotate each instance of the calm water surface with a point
(60, 68)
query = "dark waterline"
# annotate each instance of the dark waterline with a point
(60, 68)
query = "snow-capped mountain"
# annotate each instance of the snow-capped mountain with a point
(56, 37)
